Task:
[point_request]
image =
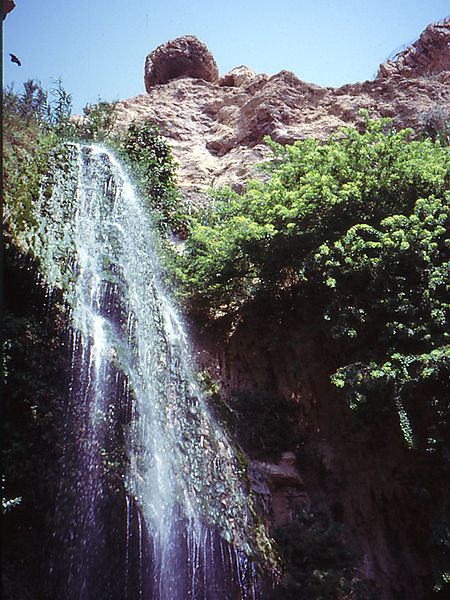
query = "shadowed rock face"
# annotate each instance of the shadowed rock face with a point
(7, 7)
(183, 57)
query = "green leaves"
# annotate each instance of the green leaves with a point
(317, 194)
(361, 225)
(154, 169)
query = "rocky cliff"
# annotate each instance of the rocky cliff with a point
(428, 57)
(359, 478)
(347, 475)
(217, 125)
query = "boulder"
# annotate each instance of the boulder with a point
(183, 57)
(237, 77)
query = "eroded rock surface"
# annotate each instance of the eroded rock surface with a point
(429, 56)
(281, 487)
(217, 133)
(185, 56)
(217, 127)
(237, 77)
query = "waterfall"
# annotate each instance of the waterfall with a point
(144, 448)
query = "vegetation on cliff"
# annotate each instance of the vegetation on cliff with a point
(361, 225)
(36, 125)
(355, 231)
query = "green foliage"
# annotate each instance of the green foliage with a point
(153, 167)
(390, 306)
(318, 567)
(357, 227)
(34, 388)
(59, 112)
(27, 143)
(10, 503)
(264, 424)
(36, 124)
(267, 237)
(98, 121)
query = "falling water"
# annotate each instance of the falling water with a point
(185, 524)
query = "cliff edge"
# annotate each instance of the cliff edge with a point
(216, 125)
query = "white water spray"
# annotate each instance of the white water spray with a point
(192, 519)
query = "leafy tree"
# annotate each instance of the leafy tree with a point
(361, 225)
(268, 236)
(98, 121)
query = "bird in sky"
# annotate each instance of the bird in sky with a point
(14, 59)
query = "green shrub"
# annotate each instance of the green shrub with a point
(98, 121)
(268, 237)
(27, 143)
(317, 564)
(153, 168)
(357, 227)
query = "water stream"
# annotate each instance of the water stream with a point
(145, 449)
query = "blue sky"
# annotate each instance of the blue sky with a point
(98, 47)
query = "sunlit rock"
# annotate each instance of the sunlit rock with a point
(185, 56)
(217, 127)
(237, 77)
(428, 56)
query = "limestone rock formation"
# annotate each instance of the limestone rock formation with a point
(185, 56)
(280, 485)
(217, 133)
(237, 77)
(217, 127)
(428, 56)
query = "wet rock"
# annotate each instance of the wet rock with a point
(185, 56)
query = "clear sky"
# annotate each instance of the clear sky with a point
(98, 47)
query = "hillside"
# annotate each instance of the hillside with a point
(216, 129)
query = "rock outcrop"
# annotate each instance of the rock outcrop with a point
(281, 486)
(217, 127)
(429, 56)
(237, 77)
(355, 475)
(7, 7)
(183, 57)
